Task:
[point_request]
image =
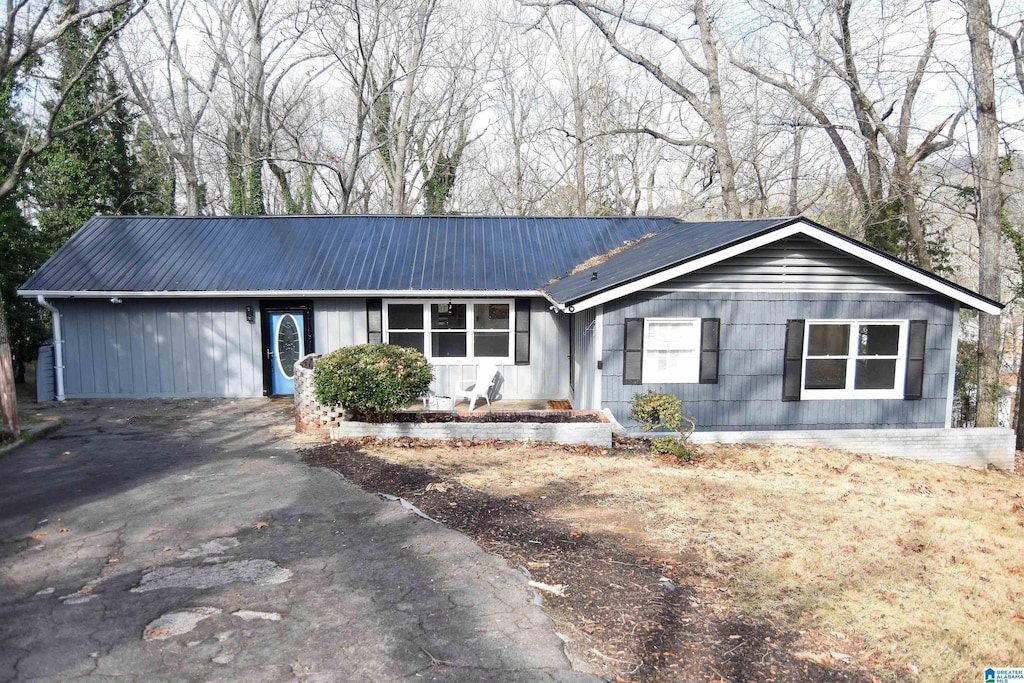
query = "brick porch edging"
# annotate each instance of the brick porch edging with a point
(310, 415)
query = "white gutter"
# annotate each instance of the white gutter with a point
(278, 293)
(58, 345)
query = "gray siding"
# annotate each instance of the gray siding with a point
(205, 347)
(161, 347)
(342, 322)
(46, 385)
(585, 358)
(748, 395)
(794, 263)
(338, 323)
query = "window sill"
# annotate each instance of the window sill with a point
(470, 361)
(849, 395)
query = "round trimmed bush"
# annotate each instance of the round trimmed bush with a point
(372, 380)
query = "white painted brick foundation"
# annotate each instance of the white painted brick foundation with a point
(978, 447)
(592, 433)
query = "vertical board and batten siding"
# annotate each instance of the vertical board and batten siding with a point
(338, 323)
(793, 263)
(585, 359)
(753, 331)
(161, 348)
(205, 347)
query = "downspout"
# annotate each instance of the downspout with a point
(58, 345)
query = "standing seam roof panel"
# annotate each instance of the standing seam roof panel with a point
(328, 253)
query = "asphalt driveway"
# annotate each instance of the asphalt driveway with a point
(185, 540)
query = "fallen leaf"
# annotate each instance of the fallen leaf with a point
(841, 656)
(85, 590)
(168, 548)
(159, 631)
(113, 560)
(1017, 618)
(150, 538)
(260, 525)
(537, 565)
(37, 536)
(63, 530)
(575, 534)
(438, 486)
(822, 658)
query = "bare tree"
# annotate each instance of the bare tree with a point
(31, 30)
(176, 112)
(1015, 40)
(817, 27)
(979, 19)
(700, 89)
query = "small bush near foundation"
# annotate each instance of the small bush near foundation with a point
(372, 380)
(656, 411)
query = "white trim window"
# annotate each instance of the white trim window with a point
(452, 332)
(671, 351)
(854, 359)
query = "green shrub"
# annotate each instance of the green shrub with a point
(372, 380)
(665, 411)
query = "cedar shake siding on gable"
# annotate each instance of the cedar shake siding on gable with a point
(748, 395)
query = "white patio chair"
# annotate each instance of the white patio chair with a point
(474, 389)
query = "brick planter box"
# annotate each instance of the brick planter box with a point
(310, 416)
(590, 433)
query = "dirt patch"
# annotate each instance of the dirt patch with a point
(632, 616)
(544, 417)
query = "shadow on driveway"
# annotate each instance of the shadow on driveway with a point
(332, 583)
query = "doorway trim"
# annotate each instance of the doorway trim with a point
(268, 306)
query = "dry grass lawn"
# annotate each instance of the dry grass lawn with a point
(908, 567)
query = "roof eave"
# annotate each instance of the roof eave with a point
(769, 235)
(278, 293)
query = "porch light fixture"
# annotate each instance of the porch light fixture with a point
(115, 300)
(249, 317)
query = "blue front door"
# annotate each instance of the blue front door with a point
(286, 347)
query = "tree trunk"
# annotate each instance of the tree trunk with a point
(8, 398)
(905, 189)
(716, 115)
(979, 18)
(581, 153)
(1019, 418)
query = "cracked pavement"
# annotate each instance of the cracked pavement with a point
(204, 508)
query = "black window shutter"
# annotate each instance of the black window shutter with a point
(633, 355)
(792, 370)
(374, 322)
(710, 332)
(522, 352)
(914, 385)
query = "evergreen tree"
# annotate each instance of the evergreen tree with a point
(88, 171)
(20, 252)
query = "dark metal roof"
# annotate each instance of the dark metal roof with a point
(328, 253)
(673, 245)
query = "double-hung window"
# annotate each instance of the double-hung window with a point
(671, 350)
(452, 332)
(854, 359)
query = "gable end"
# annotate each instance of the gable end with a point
(794, 263)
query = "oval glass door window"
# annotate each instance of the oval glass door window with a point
(288, 343)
